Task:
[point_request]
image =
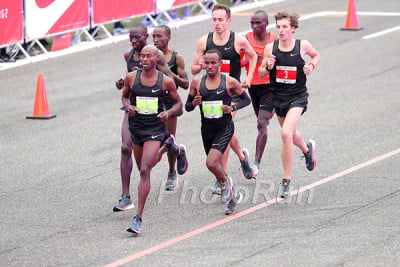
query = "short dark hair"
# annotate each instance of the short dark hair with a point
(293, 18)
(165, 28)
(214, 51)
(222, 7)
(140, 25)
(262, 13)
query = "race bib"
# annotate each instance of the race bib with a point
(147, 105)
(212, 109)
(286, 74)
(225, 66)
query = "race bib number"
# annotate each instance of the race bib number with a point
(212, 109)
(226, 66)
(286, 74)
(147, 105)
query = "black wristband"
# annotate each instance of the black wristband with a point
(267, 68)
(234, 107)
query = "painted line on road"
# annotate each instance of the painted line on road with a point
(248, 211)
(381, 33)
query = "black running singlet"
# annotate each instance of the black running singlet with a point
(287, 77)
(130, 64)
(148, 101)
(211, 101)
(230, 58)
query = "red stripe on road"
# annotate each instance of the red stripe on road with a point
(248, 211)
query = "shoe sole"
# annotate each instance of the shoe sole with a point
(127, 207)
(133, 231)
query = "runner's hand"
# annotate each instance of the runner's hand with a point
(119, 84)
(132, 110)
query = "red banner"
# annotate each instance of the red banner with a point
(11, 26)
(110, 10)
(163, 5)
(48, 17)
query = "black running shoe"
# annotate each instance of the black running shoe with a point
(181, 161)
(246, 168)
(172, 146)
(136, 225)
(309, 156)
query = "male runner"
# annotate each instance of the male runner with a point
(260, 92)
(284, 60)
(229, 44)
(213, 92)
(138, 38)
(142, 96)
(161, 38)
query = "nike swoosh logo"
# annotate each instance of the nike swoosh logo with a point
(155, 136)
(292, 55)
(215, 144)
(227, 48)
(155, 90)
(40, 20)
(219, 92)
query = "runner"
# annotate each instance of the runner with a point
(142, 96)
(213, 93)
(260, 93)
(229, 44)
(161, 38)
(284, 60)
(138, 38)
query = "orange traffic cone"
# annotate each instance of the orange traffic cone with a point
(41, 109)
(351, 19)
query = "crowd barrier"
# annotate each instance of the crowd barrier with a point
(23, 21)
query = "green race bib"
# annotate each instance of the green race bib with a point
(212, 109)
(147, 105)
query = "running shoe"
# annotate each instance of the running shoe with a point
(256, 169)
(136, 225)
(226, 190)
(309, 156)
(172, 146)
(231, 208)
(181, 161)
(285, 189)
(172, 182)
(246, 168)
(125, 203)
(217, 188)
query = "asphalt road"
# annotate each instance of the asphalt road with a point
(60, 177)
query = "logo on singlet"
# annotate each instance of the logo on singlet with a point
(292, 55)
(155, 90)
(227, 48)
(220, 92)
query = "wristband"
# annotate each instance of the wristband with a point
(313, 66)
(267, 68)
(234, 107)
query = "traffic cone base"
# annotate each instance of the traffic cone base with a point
(351, 18)
(41, 108)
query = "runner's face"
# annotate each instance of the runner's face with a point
(138, 38)
(160, 38)
(284, 29)
(258, 24)
(149, 58)
(220, 21)
(212, 64)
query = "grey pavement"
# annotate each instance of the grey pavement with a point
(60, 177)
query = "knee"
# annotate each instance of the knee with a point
(126, 150)
(211, 164)
(287, 136)
(145, 171)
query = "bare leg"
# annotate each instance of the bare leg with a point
(288, 133)
(145, 158)
(263, 119)
(126, 156)
(214, 164)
